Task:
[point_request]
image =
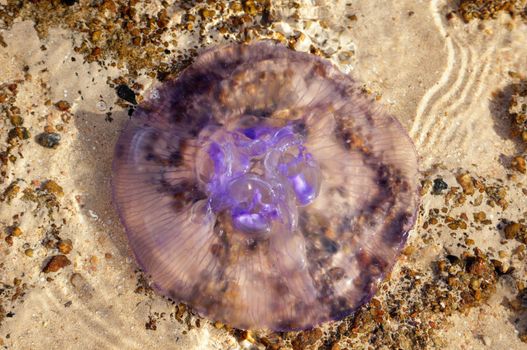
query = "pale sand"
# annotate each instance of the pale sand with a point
(436, 76)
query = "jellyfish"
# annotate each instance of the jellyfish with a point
(265, 189)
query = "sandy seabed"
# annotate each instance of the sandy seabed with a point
(446, 81)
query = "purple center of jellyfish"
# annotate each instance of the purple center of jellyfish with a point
(260, 175)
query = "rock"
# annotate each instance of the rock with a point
(439, 186)
(512, 230)
(306, 338)
(518, 163)
(126, 94)
(465, 180)
(52, 187)
(65, 246)
(62, 105)
(56, 263)
(49, 139)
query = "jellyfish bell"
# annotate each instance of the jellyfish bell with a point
(264, 189)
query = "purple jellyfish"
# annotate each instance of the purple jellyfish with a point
(265, 189)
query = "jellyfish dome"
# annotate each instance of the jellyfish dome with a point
(264, 189)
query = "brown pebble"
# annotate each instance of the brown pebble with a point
(62, 105)
(15, 231)
(207, 14)
(479, 216)
(408, 250)
(56, 263)
(518, 163)
(29, 252)
(18, 132)
(52, 187)
(306, 338)
(16, 120)
(465, 180)
(335, 346)
(10, 192)
(469, 241)
(512, 230)
(65, 246)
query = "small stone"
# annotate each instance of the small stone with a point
(96, 35)
(408, 250)
(49, 139)
(56, 263)
(465, 180)
(29, 252)
(18, 132)
(62, 105)
(207, 14)
(441, 265)
(518, 163)
(306, 338)
(52, 187)
(151, 324)
(16, 120)
(15, 231)
(335, 346)
(439, 186)
(520, 249)
(10, 192)
(453, 225)
(512, 230)
(479, 216)
(499, 266)
(65, 246)
(126, 94)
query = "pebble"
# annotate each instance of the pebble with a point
(53, 187)
(16, 231)
(49, 139)
(65, 246)
(465, 180)
(126, 94)
(56, 263)
(512, 230)
(518, 163)
(439, 186)
(62, 105)
(306, 338)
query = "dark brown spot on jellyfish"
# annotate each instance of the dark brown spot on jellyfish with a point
(264, 189)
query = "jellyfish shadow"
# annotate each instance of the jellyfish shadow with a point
(97, 135)
(519, 315)
(499, 109)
